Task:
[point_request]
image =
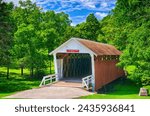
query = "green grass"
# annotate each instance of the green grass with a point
(16, 82)
(119, 89)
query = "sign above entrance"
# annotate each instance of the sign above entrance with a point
(72, 51)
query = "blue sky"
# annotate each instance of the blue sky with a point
(78, 10)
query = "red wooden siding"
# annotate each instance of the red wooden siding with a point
(105, 72)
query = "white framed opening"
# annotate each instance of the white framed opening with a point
(73, 65)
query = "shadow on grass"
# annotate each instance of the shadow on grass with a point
(121, 86)
(17, 83)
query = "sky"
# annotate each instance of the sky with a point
(78, 10)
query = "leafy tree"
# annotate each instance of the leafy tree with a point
(53, 30)
(137, 54)
(132, 18)
(89, 29)
(27, 43)
(48, 34)
(37, 34)
(70, 32)
(127, 27)
(6, 34)
(107, 30)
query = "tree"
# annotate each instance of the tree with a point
(48, 34)
(28, 47)
(107, 30)
(89, 29)
(37, 34)
(132, 18)
(127, 27)
(53, 30)
(6, 34)
(137, 54)
(69, 32)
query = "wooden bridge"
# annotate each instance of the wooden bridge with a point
(52, 80)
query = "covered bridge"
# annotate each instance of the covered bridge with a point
(91, 62)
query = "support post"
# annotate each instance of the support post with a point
(93, 72)
(55, 65)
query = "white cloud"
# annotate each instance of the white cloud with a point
(104, 4)
(73, 24)
(99, 7)
(89, 4)
(100, 15)
(72, 5)
(16, 2)
(42, 2)
(78, 19)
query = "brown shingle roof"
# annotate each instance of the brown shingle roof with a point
(100, 48)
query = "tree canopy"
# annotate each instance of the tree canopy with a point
(128, 27)
(89, 29)
(6, 32)
(27, 34)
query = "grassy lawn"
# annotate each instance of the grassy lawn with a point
(16, 82)
(119, 89)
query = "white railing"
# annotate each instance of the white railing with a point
(50, 78)
(87, 81)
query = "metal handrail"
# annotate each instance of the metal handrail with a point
(86, 81)
(49, 78)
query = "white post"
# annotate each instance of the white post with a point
(44, 82)
(61, 65)
(93, 72)
(55, 65)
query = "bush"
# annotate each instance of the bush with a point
(136, 77)
(40, 73)
(145, 81)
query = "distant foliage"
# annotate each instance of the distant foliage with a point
(6, 32)
(89, 29)
(27, 35)
(130, 25)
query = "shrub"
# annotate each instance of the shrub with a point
(145, 81)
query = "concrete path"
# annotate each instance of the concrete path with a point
(59, 90)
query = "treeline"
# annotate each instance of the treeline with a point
(27, 35)
(128, 28)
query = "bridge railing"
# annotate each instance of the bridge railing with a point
(49, 78)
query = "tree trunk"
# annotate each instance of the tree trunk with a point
(31, 72)
(7, 72)
(50, 66)
(21, 71)
(37, 72)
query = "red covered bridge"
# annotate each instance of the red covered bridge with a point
(91, 62)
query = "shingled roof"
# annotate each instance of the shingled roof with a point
(95, 47)
(99, 48)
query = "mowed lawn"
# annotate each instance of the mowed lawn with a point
(119, 89)
(16, 82)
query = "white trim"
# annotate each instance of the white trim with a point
(72, 39)
(54, 51)
(84, 46)
(93, 71)
(92, 54)
(60, 68)
(55, 65)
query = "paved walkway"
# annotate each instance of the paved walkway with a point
(59, 90)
